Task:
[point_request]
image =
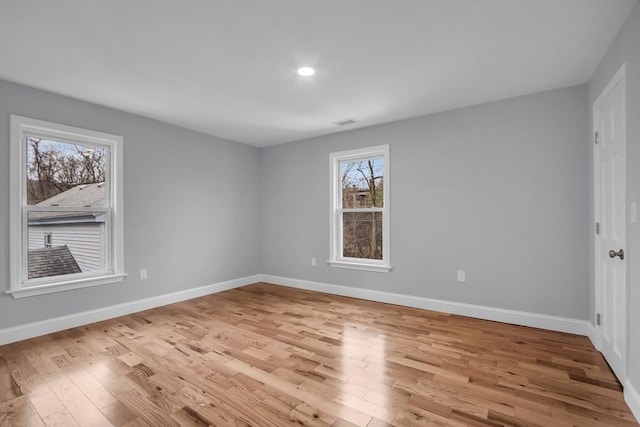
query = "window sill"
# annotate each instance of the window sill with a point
(49, 288)
(381, 268)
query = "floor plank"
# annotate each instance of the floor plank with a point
(266, 355)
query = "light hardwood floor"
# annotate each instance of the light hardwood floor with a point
(266, 355)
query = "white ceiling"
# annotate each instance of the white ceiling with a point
(228, 68)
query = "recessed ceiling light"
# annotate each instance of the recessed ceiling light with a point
(306, 71)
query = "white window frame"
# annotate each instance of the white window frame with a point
(20, 284)
(336, 258)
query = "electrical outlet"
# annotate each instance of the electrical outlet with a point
(462, 276)
(143, 274)
(313, 261)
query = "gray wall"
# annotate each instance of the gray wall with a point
(626, 49)
(190, 203)
(500, 190)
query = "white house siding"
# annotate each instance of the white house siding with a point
(86, 242)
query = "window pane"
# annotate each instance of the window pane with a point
(362, 235)
(362, 183)
(64, 174)
(62, 243)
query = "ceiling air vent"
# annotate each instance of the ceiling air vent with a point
(345, 122)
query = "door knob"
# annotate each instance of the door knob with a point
(614, 254)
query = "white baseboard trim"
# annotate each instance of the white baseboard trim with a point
(592, 335)
(562, 324)
(543, 321)
(632, 397)
(44, 327)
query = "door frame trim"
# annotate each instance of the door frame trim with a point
(618, 78)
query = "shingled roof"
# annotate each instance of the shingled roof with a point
(54, 261)
(84, 195)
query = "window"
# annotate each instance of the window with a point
(360, 209)
(66, 208)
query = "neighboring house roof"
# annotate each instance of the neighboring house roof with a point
(54, 261)
(84, 195)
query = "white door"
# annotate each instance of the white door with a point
(610, 216)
